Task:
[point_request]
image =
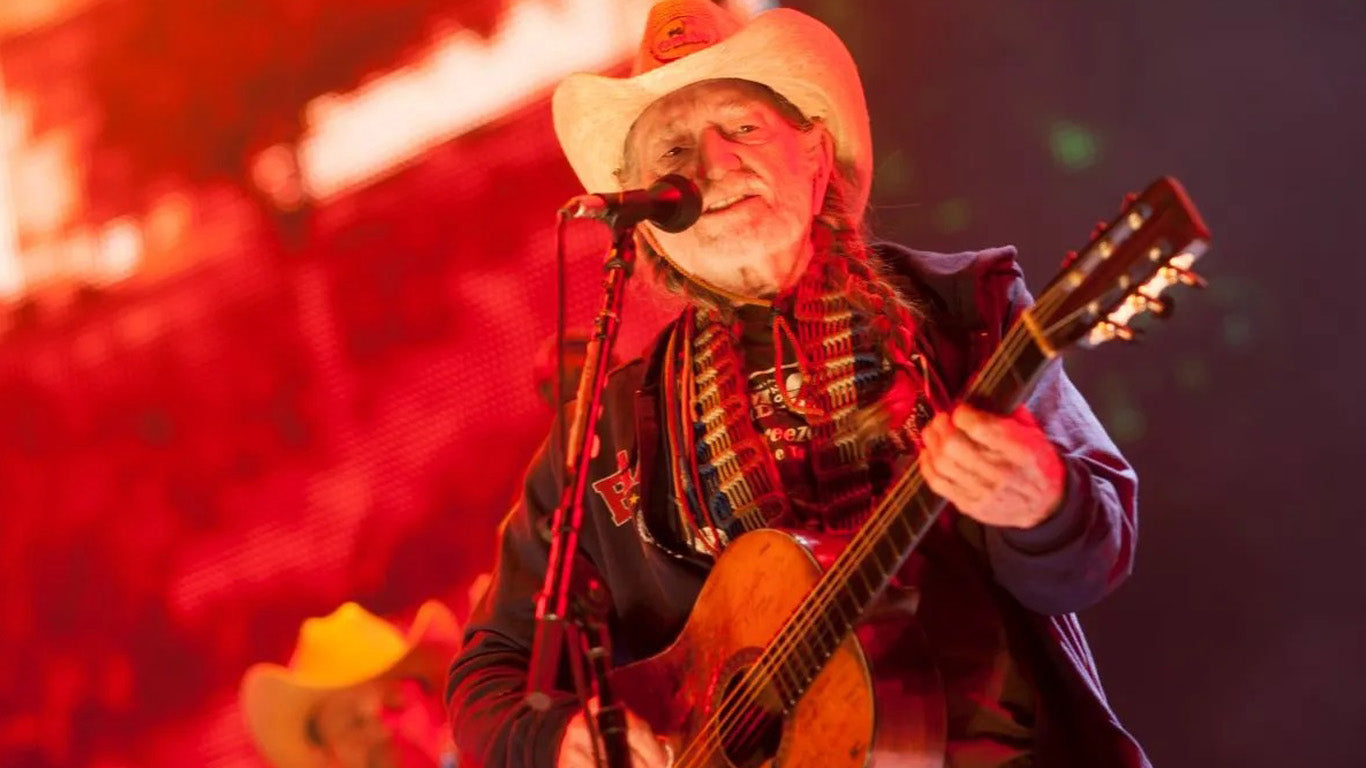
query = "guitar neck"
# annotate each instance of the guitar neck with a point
(896, 527)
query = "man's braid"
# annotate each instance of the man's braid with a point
(892, 317)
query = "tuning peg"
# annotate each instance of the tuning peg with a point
(1129, 200)
(1192, 279)
(1184, 276)
(1069, 259)
(1108, 331)
(1099, 229)
(1145, 302)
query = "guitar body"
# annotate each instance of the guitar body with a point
(876, 702)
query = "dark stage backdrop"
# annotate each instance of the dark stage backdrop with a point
(340, 406)
(1237, 641)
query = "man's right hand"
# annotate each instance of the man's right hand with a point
(576, 747)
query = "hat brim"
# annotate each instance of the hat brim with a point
(276, 704)
(788, 51)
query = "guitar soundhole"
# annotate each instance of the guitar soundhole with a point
(753, 734)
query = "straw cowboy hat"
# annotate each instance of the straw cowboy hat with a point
(348, 647)
(688, 41)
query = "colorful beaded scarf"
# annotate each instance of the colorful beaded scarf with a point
(724, 475)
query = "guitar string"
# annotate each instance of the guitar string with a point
(813, 610)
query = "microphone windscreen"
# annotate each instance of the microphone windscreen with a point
(680, 203)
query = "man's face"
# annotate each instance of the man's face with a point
(382, 724)
(762, 181)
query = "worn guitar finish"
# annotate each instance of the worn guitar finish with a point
(755, 586)
(770, 667)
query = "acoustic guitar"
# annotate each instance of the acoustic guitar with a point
(777, 664)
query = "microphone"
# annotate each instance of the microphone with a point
(673, 203)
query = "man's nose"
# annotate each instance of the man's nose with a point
(716, 154)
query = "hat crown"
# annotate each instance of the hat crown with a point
(347, 645)
(676, 28)
(692, 41)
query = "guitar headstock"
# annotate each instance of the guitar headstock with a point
(1124, 270)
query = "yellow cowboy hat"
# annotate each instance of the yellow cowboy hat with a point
(348, 647)
(688, 41)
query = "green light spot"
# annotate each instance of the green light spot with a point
(1126, 424)
(952, 215)
(1122, 418)
(1238, 331)
(1074, 146)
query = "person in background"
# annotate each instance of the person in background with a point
(357, 693)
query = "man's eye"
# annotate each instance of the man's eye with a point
(671, 152)
(746, 128)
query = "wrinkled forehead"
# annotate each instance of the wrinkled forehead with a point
(704, 95)
(671, 112)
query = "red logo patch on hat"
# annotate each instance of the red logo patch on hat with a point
(681, 35)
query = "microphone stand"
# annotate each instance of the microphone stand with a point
(572, 607)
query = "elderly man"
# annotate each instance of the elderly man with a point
(808, 369)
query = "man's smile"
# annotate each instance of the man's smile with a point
(726, 202)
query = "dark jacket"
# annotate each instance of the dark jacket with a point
(1041, 575)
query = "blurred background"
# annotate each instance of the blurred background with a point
(273, 274)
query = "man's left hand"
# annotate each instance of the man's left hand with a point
(998, 470)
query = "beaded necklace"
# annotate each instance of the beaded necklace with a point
(723, 472)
